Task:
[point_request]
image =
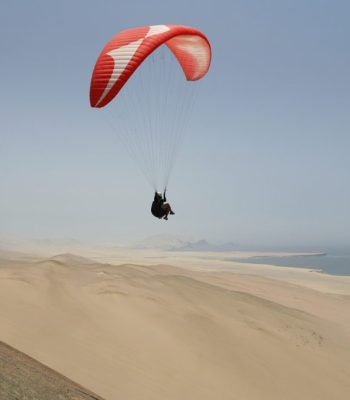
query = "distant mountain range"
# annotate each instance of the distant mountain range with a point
(203, 245)
(159, 242)
(173, 243)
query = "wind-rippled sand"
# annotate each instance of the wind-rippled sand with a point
(162, 332)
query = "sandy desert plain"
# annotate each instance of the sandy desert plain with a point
(151, 324)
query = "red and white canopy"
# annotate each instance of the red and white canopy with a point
(124, 53)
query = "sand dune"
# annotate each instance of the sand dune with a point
(161, 332)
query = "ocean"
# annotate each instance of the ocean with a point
(331, 263)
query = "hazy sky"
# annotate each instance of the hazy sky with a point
(268, 158)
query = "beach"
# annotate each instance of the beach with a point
(153, 324)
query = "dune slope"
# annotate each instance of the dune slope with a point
(23, 378)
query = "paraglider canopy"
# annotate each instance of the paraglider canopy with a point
(124, 53)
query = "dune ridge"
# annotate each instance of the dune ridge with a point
(22, 377)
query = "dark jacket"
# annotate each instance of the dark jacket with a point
(156, 208)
